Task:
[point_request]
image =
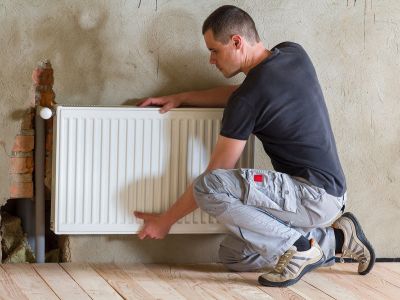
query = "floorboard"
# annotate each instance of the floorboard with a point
(90, 281)
(342, 283)
(8, 288)
(216, 282)
(373, 281)
(185, 284)
(301, 290)
(150, 282)
(199, 281)
(385, 271)
(118, 279)
(60, 282)
(29, 281)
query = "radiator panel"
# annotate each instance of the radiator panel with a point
(110, 161)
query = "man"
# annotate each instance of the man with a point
(278, 218)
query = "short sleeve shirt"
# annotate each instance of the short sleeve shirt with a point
(282, 104)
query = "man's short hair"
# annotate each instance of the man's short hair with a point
(228, 20)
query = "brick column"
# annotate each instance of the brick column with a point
(21, 161)
(43, 79)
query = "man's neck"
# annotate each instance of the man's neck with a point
(255, 54)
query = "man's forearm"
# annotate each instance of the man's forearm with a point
(183, 206)
(215, 97)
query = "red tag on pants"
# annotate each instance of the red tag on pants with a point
(258, 178)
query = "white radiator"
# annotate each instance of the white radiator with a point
(110, 161)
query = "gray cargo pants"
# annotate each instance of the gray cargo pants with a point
(266, 212)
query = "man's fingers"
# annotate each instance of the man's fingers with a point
(141, 215)
(151, 101)
(166, 103)
(142, 234)
(166, 107)
(145, 102)
(145, 216)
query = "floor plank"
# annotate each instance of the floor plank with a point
(8, 288)
(179, 282)
(60, 282)
(275, 293)
(385, 271)
(30, 283)
(300, 290)
(206, 282)
(342, 284)
(371, 280)
(395, 267)
(331, 287)
(307, 291)
(225, 284)
(90, 281)
(121, 282)
(150, 282)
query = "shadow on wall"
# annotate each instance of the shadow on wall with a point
(180, 56)
(72, 41)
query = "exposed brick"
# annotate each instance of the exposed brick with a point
(47, 98)
(21, 161)
(28, 132)
(23, 143)
(48, 171)
(21, 154)
(20, 165)
(43, 74)
(27, 121)
(49, 141)
(27, 177)
(21, 190)
(49, 125)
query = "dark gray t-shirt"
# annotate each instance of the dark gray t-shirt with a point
(281, 102)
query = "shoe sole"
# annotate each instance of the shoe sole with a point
(307, 269)
(362, 238)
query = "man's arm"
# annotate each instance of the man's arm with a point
(215, 97)
(225, 155)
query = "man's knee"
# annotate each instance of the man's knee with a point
(206, 189)
(208, 183)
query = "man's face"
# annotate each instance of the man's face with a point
(224, 56)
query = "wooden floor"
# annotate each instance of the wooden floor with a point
(138, 281)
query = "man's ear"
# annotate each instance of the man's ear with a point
(237, 41)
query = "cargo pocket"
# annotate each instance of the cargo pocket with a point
(272, 190)
(310, 193)
(313, 200)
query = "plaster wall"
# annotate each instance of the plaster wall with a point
(110, 52)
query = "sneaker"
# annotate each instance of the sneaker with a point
(355, 245)
(292, 265)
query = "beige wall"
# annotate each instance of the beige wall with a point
(107, 52)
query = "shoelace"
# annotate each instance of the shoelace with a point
(346, 253)
(283, 261)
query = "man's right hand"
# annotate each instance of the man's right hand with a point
(166, 102)
(155, 226)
